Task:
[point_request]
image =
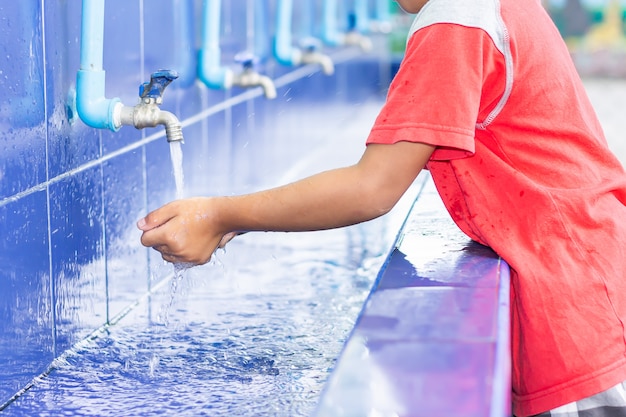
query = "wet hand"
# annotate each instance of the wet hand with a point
(184, 231)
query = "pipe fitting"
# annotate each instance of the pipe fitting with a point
(93, 108)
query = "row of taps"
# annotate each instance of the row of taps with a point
(98, 112)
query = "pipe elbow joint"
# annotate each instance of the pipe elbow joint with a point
(91, 105)
(287, 55)
(211, 73)
(332, 39)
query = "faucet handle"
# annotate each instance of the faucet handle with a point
(247, 59)
(352, 22)
(310, 44)
(158, 81)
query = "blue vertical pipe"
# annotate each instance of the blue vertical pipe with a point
(330, 33)
(382, 17)
(185, 45)
(361, 12)
(284, 52)
(210, 70)
(306, 26)
(261, 32)
(382, 10)
(92, 106)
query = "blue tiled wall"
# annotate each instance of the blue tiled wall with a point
(70, 256)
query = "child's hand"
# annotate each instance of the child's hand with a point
(184, 231)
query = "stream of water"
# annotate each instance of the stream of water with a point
(176, 154)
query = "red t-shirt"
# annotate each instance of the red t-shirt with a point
(523, 167)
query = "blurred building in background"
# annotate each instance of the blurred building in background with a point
(594, 32)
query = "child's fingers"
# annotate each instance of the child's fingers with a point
(156, 218)
(155, 238)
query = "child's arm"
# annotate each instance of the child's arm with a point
(190, 230)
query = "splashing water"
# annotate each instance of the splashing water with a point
(179, 269)
(255, 341)
(176, 154)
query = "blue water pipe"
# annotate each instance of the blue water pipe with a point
(210, 70)
(382, 21)
(184, 37)
(382, 11)
(284, 51)
(361, 14)
(262, 35)
(92, 106)
(330, 32)
(305, 19)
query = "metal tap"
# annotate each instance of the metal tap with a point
(311, 55)
(249, 77)
(355, 38)
(147, 113)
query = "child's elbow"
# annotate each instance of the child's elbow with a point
(381, 201)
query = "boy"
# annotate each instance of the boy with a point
(488, 100)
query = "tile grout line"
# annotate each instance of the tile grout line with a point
(51, 284)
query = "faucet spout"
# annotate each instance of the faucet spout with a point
(149, 115)
(357, 39)
(314, 57)
(173, 127)
(249, 78)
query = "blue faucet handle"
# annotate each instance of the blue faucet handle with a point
(352, 22)
(158, 81)
(310, 44)
(246, 59)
